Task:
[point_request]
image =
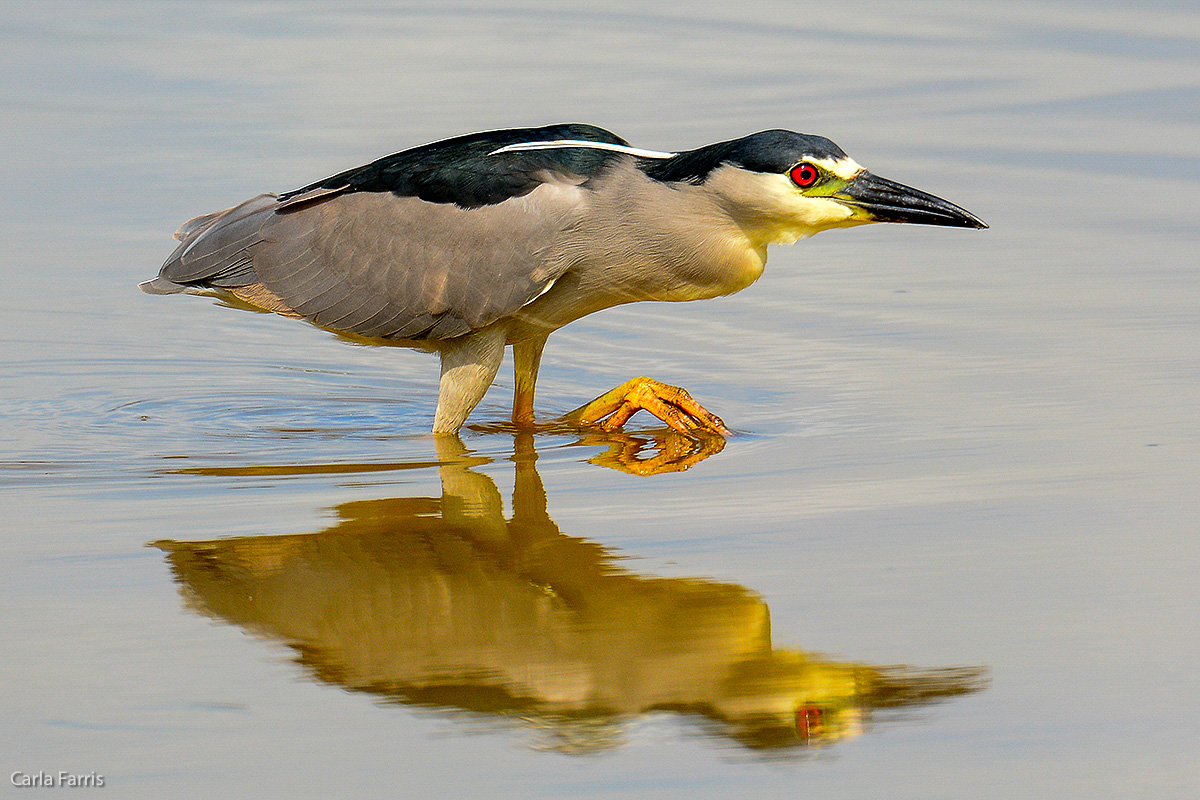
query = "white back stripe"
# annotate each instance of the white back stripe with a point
(565, 143)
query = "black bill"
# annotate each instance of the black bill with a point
(888, 201)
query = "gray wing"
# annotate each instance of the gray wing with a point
(379, 265)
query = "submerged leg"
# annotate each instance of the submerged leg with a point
(671, 404)
(527, 355)
(469, 365)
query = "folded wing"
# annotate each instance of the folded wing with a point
(430, 243)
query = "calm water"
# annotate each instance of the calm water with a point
(951, 553)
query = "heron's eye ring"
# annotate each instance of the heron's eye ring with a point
(804, 175)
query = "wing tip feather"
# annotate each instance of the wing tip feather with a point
(161, 285)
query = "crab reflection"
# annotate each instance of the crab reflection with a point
(444, 603)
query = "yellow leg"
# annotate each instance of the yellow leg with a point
(671, 404)
(527, 356)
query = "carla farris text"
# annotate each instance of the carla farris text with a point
(69, 779)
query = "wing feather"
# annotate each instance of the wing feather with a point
(382, 266)
(430, 243)
(214, 248)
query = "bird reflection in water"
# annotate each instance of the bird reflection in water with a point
(648, 452)
(444, 603)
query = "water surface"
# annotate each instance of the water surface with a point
(951, 551)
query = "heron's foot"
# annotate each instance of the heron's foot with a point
(674, 406)
(664, 451)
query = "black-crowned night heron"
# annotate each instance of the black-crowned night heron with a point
(500, 238)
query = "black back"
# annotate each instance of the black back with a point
(462, 171)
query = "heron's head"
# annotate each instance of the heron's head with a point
(782, 186)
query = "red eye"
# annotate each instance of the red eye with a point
(808, 718)
(805, 175)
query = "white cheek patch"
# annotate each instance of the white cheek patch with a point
(785, 213)
(771, 209)
(844, 168)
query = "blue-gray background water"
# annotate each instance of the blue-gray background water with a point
(974, 453)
